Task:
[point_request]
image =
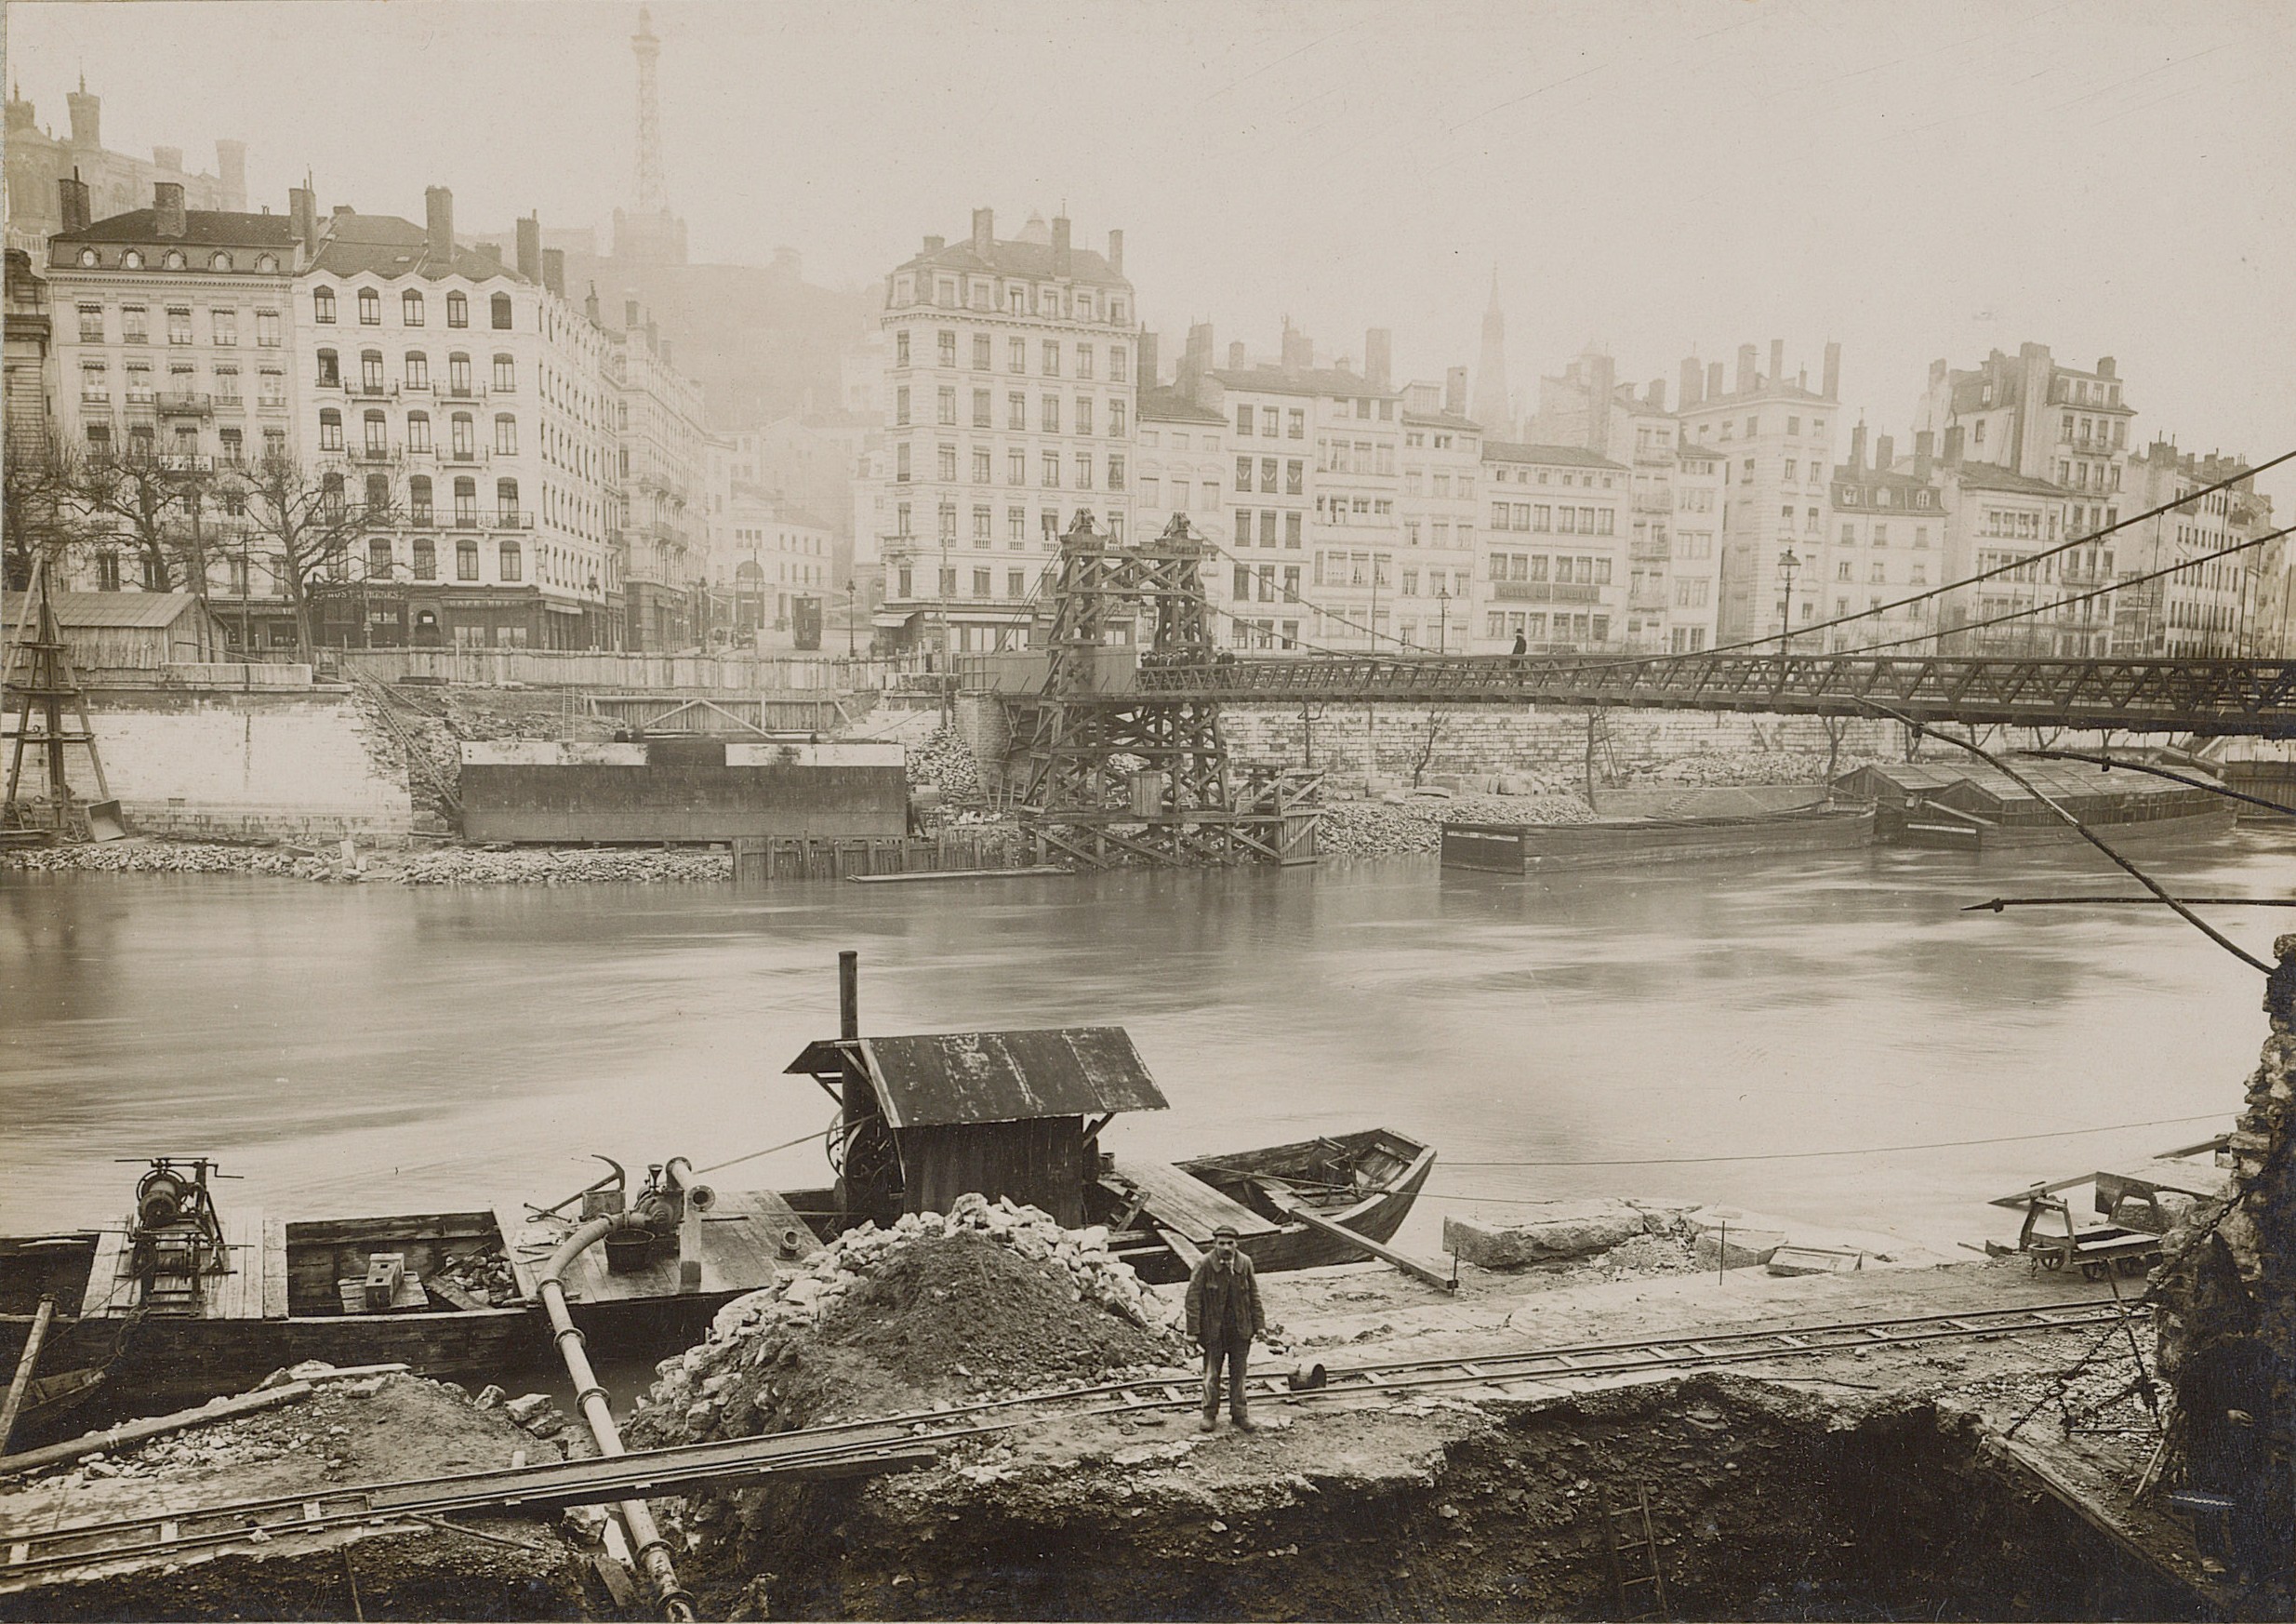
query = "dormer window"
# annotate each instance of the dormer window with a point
(173, 259)
(220, 261)
(89, 256)
(132, 259)
(266, 262)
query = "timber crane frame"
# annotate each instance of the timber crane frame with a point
(1110, 774)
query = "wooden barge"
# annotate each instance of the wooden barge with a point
(1976, 807)
(1526, 848)
(182, 1301)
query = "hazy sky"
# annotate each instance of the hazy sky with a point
(1916, 180)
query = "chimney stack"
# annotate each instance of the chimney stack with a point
(630, 315)
(1297, 351)
(1953, 447)
(554, 271)
(1144, 348)
(652, 335)
(490, 251)
(1235, 355)
(984, 230)
(1692, 376)
(438, 213)
(1777, 360)
(1745, 369)
(167, 209)
(1885, 453)
(1714, 381)
(2105, 366)
(935, 244)
(1378, 357)
(73, 205)
(230, 167)
(1655, 396)
(1116, 253)
(666, 361)
(1857, 451)
(529, 247)
(589, 301)
(168, 158)
(1455, 394)
(1925, 446)
(1063, 260)
(1832, 389)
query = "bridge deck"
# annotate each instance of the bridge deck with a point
(2212, 697)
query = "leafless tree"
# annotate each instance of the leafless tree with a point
(41, 516)
(1426, 745)
(304, 527)
(159, 506)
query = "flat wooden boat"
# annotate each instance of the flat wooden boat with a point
(1164, 1213)
(282, 1292)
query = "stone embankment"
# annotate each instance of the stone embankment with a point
(442, 866)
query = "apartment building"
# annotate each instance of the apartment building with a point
(1013, 401)
(1286, 560)
(1694, 562)
(1441, 503)
(772, 573)
(1775, 438)
(469, 401)
(2225, 607)
(1888, 541)
(27, 406)
(1554, 562)
(655, 483)
(2000, 519)
(1183, 474)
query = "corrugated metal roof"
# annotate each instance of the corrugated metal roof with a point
(998, 1076)
(121, 609)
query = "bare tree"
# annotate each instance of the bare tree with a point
(157, 505)
(41, 516)
(305, 528)
(1426, 745)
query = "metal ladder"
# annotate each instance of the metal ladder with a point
(1641, 1594)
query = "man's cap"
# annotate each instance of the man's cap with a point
(1226, 1230)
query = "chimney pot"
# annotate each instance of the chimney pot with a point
(2105, 366)
(1655, 396)
(1714, 380)
(630, 315)
(1953, 447)
(167, 209)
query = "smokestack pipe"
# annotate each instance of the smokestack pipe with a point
(848, 994)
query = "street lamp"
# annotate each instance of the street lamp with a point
(851, 604)
(1787, 564)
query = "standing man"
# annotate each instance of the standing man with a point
(1223, 1315)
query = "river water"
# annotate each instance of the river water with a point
(351, 1050)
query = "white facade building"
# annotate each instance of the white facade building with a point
(1554, 561)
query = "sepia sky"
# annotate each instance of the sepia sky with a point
(1916, 180)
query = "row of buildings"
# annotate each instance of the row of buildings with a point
(1348, 509)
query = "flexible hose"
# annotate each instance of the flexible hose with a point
(651, 1550)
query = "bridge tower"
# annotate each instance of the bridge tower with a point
(1110, 774)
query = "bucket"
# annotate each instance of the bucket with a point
(629, 1250)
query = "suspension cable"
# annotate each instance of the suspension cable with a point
(2111, 762)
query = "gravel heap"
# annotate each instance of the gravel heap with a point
(1376, 829)
(990, 1301)
(445, 866)
(1748, 766)
(945, 763)
(167, 857)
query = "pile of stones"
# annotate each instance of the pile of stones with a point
(1399, 825)
(1748, 766)
(553, 866)
(945, 763)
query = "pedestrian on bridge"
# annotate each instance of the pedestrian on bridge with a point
(1224, 1314)
(1522, 646)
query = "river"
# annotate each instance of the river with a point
(351, 1050)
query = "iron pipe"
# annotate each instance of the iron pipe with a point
(651, 1550)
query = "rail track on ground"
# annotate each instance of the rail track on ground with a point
(907, 1441)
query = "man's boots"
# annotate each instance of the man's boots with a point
(1244, 1423)
(1209, 1422)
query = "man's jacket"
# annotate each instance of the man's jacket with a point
(1224, 1304)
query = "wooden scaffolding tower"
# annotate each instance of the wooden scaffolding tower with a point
(39, 683)
(1110, 774)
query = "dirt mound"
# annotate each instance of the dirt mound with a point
(986, 1302)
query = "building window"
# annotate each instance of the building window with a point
(459, 375)
(370, 371)
(1084, 414)
(426, 552)
(466, 561)
(457, 309)
(377, 435)
(330, 373)
(948, 521)
(900, 407)
(323, 304)
(466, 508)
(418, 431)
(330, 430)
(1083, 471)
(1052, 471)
(267, 328)
(1116, 474)
(331, 496)
(506, 374)
(1017, 411)
(946, 465)
(463, 441)
(107, 572)
(94, 381)
(981, 409)
(946, 409)
(370, 308)
(378, 559)
(419, 509)
(91, 324)
(418, 369)
(500, 305)
(506, 436)
(984, 522)
(510, 561)
(1016, 467)
(1052, 357)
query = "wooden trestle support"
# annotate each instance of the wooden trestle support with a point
(1110, 775)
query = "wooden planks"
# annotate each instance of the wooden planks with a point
(110, 1294)
(1188, 1205)
(275, 1269)
(741, 1239)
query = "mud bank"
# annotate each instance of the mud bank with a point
(1764, 1504)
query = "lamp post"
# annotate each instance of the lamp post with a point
(1442, 620)
(852, 607)
(1787, 564)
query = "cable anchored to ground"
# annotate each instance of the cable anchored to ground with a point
(1863, 1150)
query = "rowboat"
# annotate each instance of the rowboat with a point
(1163, 1214)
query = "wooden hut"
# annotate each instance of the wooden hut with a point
(1004, 1113)
(131, 632)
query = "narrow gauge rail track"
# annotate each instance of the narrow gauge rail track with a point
(901, 1443)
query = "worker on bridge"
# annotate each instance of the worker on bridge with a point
(1224, 1314)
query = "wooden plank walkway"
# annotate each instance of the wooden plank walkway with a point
(1188, 1205)
(245, 1292)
